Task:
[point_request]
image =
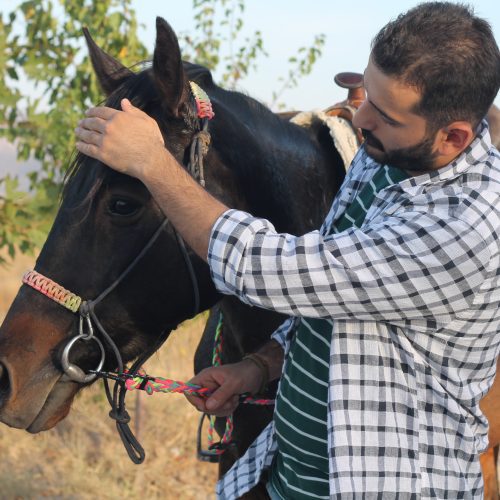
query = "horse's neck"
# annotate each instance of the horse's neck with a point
(286, 174)
(245, 328)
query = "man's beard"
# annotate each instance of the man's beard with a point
(418, 158)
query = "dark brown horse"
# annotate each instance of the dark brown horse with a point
(256, 162)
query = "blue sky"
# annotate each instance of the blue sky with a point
(286, 25)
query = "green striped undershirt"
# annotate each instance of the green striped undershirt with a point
(300, 467)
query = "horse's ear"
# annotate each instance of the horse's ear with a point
(168, 69)
(110, 73)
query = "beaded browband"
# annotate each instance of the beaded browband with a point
(52, 290)
(203, 104)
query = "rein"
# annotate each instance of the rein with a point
(88, 319)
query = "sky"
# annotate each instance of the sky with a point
(287, 25)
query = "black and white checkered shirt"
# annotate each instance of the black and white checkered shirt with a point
(413, 298)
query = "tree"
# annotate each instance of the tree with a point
(48, 55)
(219, 25)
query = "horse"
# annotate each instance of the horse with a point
(256, 162)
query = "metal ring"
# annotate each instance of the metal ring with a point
(74, 372)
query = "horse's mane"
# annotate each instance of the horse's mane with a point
(255, 115)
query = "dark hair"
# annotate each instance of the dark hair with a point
(448, 54)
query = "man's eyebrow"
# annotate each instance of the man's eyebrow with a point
(384, 114)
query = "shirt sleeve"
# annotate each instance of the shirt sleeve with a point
(409, 266)
(281, 334)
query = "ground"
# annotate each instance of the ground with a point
(83, 457)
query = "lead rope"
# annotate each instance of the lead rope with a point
(141, 381)
(117, 400)
(219, 448)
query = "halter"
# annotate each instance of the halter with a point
(88, 320)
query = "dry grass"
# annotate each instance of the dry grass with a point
(83, 458)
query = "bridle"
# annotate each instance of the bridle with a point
(88, 320)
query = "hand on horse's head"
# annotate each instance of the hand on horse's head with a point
(128, 141)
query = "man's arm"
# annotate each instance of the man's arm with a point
(401, 267)
(130, 142)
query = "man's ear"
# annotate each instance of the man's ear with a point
(454, 138)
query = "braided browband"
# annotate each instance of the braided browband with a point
(52, 290)
(203, 104)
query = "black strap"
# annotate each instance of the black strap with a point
(116, 398)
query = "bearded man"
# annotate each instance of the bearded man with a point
(394, 304)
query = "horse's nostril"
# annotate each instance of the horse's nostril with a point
(4, 384)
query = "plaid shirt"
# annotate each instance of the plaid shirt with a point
(413, 298)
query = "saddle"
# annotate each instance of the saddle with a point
(344, 109)
(355, 97)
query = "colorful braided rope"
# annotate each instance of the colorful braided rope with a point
(158, 384)
(52, 290)
(228, 431)
(203, 104)
(150, 385)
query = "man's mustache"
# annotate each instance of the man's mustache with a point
(371, 140)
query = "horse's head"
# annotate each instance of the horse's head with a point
(104, 222)
(256, 161)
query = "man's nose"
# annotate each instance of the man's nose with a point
(363, 118)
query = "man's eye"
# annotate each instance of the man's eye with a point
(387, 120)
(123, 208)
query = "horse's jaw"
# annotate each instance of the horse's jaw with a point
(56, 407)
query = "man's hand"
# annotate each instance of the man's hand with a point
(226, 382)
(128, 141)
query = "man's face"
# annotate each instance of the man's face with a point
(394, 134)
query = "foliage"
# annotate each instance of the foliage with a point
(41, 45)
(218, 28)
(300, 65)
(219, 25)
(24, 219)
(46, 53)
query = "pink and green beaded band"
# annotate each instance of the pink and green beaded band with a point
(203, 104)
(52, 290)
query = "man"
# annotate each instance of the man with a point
(395, 304)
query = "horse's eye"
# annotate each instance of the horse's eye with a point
(122, 207)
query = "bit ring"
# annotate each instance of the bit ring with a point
(73, 371)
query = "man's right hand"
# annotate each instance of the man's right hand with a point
(227, 383)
